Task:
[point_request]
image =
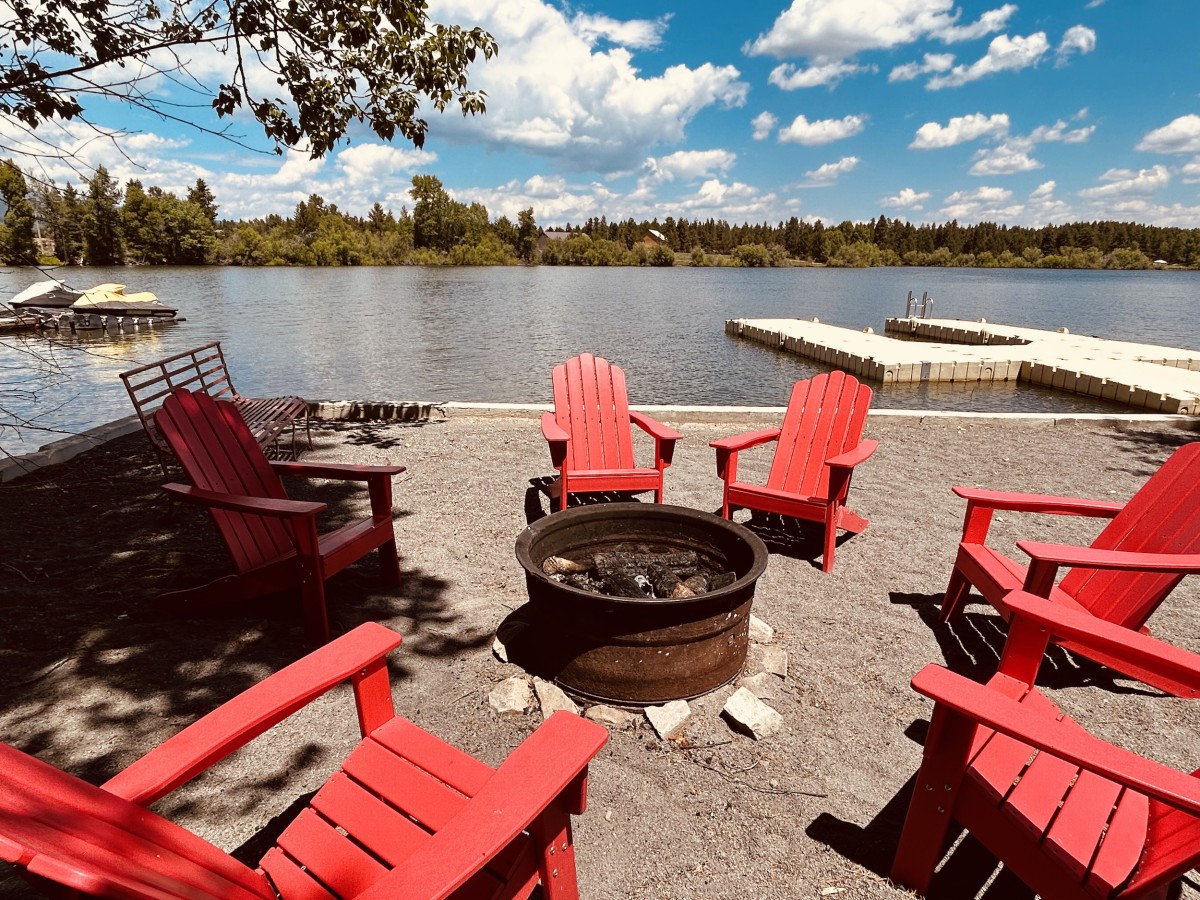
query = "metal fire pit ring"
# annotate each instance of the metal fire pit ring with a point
(628, 650)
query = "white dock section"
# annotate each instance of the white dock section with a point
(1145, 376)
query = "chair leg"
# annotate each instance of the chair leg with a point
(831, 520)
(556, 854)
(389, 563)
(956, 594)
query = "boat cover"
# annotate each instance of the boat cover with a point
(110, 299)
(46, 295)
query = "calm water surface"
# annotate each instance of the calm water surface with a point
(493, 334)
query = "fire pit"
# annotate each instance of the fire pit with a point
(646, 649)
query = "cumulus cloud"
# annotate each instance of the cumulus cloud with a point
(1181, 135)
(907, 198)
(764, 123)
(788, 77)
(1005, 54)
(1076, 39)
(836, 29)
(1191, 171)
(689, 165)
(1006, 159)
(551, 92)
(982, 204)
(822, 131)
(958, 130)
(830, 172)
(1128, 183)
(637, 34)
(376, 162)
(933, 62)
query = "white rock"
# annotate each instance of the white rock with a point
(669, 718)
(611, 717)
(552, 698)
(500, 650)
(760, 631)
(512, 695)
(773, 660)
(751, 715)
(764, 685)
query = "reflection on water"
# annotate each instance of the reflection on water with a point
(492, 335)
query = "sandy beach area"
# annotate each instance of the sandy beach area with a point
(96, 673)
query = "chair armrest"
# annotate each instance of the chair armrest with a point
(653, 427)
(238, 721)
(259, 506)
(1043, 503)
(852, 458)
(557, 437)
(541, 772)
(745, 441)
(1134, 653)
(992, 708)
(333, 471)
(1046, 558)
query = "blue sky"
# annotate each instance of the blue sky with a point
(928, 110)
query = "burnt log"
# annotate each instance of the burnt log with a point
(666, 583)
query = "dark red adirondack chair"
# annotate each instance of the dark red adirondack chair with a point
(819, 444)
(407, 816)
(273, 540)
(591, 442)
(1131, 567)
(1072, 816)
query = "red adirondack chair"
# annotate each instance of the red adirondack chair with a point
(406, 816)
(1131, 567)
(273, 540)
(1081, 818)
(591, 442)
(819, 444)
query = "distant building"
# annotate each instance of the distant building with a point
(654, 238)
(545, 238)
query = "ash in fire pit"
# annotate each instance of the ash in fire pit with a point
(599, 625)
(642, 570)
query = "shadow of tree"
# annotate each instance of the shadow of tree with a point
(971, 645)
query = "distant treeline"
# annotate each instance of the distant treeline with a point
(102, 223)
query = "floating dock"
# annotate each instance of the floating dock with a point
(1144, 376)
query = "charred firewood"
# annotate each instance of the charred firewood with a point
(724, 580)
(641, 560)
(698, 583)
(666, 583)
(558, 565)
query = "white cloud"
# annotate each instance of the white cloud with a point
(1125, 183)
(376, 162)
(689, 165)
(1005, 54)
(1006, 159)
(1181, 135)
(830, 172)
(990, 204)
(788, 77)
(764, 123)
(836, 29)
(1076, 39)
(907, 198)
(822, 131)
(933, 62)
(958, 130)
(638, 34)
(1191, 171)
(542, 187)
(551, 93)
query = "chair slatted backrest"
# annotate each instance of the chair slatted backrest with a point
(72, 832)
(1162, 517)
(218, 453)
(825, 417)
(591, 405)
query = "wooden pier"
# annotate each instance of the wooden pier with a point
(1144, 376)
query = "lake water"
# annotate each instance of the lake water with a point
(493, 334)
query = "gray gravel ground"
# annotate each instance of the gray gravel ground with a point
(97, 675)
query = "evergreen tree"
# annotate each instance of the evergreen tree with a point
(102, 245)
(527, 235)
(203, 198)
(16, 234)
